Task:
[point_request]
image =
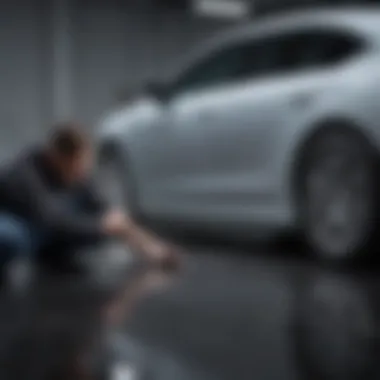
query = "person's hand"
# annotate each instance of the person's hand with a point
(114, 223)
(162, 254)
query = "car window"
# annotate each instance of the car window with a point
(219, 67)
(269, 56)
(288, 53)
(241, 60)
(308, 50)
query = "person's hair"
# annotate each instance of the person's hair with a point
(69, 139)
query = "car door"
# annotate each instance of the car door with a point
(215, 108)
(225, 118)
(167, 144)
(179, 146)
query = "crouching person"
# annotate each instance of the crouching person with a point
(50, 208)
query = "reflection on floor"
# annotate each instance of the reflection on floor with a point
(226, 315)
(247, 317)
(146, 362)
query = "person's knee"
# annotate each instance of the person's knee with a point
(15, 236)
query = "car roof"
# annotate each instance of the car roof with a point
(364, 20)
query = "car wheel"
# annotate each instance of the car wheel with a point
(337, 195)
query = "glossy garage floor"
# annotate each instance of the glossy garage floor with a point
(247, 314)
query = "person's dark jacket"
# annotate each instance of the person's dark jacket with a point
(31, 189)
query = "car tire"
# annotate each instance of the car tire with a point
(337, 195)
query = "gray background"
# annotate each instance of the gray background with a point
(68, 58)
(65, 59)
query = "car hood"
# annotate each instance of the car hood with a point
(132, 115)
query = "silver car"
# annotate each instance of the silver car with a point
(275, 124)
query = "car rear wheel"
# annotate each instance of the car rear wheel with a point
(338, 195)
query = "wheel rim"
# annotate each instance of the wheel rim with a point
(338, 191)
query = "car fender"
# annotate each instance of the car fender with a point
(352, 106)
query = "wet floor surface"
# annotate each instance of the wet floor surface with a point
(241, 315)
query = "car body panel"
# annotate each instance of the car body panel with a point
(226, 154)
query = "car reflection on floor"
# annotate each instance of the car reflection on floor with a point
(246, 316)
(335, 327)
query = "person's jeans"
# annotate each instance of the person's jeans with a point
(23, 239)
(18, 247)
(20, 239)
(17, 239)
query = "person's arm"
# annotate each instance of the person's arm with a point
(132, 234)
(150, 246)
(136, 235)
(93, 200)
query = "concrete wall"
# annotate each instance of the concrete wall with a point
(24, 84)
(68, 58)
(117, 46)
